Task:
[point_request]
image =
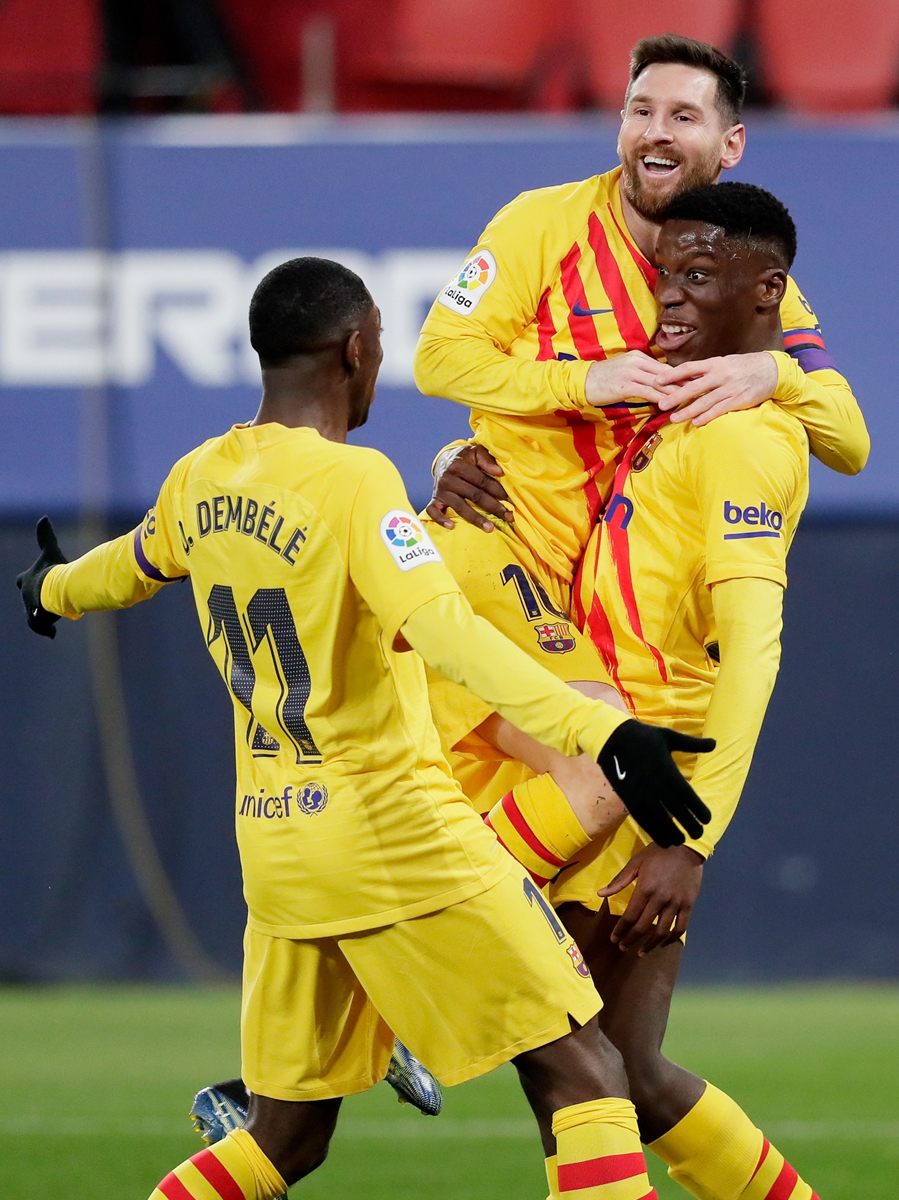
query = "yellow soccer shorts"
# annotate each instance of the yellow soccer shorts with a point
(466, 989)
(595, 866)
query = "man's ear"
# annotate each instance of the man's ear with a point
(772, 286)
(352, 352)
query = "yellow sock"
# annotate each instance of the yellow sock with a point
(233, 1169)
(599, 1153)
(716, 1153)
(537, 826)
(552, 1177)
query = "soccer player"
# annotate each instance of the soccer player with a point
(681, 590)
(361, 859)
(546, 333)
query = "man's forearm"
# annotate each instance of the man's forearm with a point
(473, 371)
(468, 650)
(748, 613)
(824, 403)
(106, 577)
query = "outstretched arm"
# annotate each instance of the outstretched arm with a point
(106, 577)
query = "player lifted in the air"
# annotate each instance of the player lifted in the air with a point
(362, 860)
(553, 353)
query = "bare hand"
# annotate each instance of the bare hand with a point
(668, 882)
(472, 475)
(701, 391)
(626, 377)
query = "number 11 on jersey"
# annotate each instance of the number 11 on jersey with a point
(267, 619)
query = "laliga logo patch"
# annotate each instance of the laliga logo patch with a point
(405, 538)
(577, 960)
(555, 639)
(464, 293)
(313, 799)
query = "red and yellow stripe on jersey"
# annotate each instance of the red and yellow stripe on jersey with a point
(555, 284)
(566, 287)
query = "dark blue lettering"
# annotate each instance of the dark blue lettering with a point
(204, 518)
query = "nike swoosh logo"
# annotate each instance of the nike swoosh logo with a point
(589, 312)
(618, 771)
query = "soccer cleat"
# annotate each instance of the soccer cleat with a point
(219, 1109)
(413, 1082)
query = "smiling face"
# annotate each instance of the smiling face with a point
(673, 137)
(715, 294)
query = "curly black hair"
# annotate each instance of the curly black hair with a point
(743, 211)
(304, 305)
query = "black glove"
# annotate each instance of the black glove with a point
(29, 582)
(638, 764)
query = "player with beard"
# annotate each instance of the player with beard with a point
(546, 335)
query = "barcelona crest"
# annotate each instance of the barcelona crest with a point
(578, 961)
(555, 639)
(644, 455)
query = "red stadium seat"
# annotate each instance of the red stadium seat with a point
(49, 56)
(476, 43)
(830, 57)
(608, 29)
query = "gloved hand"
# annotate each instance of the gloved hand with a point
(637, 762)
(29, 582)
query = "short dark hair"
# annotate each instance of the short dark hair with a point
(304, 305)
(743, 211)
(672, 48)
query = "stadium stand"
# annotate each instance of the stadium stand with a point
(607, 30)
(70, 57)
(830, 57)
(50, 55)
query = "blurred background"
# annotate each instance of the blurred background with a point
(156, 158)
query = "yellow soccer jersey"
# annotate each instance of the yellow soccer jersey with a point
(691, 507)
(554, 284)
(305, 563)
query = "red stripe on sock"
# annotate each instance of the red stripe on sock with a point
(217, 1174)
(538, 879)
(652, 1194)
(782, 1188)
(594, 1172)
(524, 831)
(766, 1146)
(173, 1189)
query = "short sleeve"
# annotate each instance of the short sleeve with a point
(392, 561)
(749, 471)
(161, 547)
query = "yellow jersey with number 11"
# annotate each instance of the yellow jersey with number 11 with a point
(301, 552)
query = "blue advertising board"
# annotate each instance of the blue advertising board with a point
(128, 253)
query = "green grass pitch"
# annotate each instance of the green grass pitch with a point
(96, 1082)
